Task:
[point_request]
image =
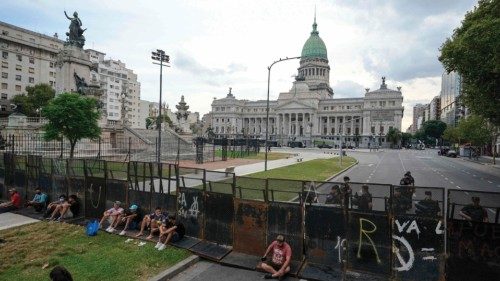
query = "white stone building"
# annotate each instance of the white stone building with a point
(27, 58)
(309, 113)
(122, 91)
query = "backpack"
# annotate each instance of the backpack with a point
(92, 228)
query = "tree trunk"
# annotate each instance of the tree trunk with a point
(72, 149)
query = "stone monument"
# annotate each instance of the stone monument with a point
(73, 63)
(182, 115)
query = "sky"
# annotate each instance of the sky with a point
(214, 45)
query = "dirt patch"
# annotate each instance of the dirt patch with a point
(218, 164)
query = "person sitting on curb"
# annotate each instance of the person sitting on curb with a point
(170, 230)
(131, 218)
(152, 221)
(112, 214)
(13, 204)
(39, 201)
(66, 210)
(279, 265)
(53, 206)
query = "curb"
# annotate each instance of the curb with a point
(176, 269)
(481, 163)
(343, 171)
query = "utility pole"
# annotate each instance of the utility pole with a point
(160, 56)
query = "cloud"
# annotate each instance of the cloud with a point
(347, 89)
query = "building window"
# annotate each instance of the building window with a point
(32, 60)
(5, 64)
(4, 96)
(18, 88)
(5, 55)
(5, 75)
(19, 57)
(51, 64)
(51, 74)
(18, 77)
(373, 130)
(19, 67)
(31, 70)
(4, 86)
(51, 83)
(31, 80)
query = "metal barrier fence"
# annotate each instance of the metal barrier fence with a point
(376, 231)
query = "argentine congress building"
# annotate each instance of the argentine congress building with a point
(309, 113)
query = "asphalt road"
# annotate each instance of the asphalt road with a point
(461, 177)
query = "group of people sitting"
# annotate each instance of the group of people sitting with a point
(166, 226)
(64, 208)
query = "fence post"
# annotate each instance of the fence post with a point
(99, 152)
(62, 142)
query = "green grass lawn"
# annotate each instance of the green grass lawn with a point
(286, 182)
(102, 257)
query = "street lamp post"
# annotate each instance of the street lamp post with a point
(267, 104)
(160, 56)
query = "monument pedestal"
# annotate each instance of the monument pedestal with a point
(70, 61)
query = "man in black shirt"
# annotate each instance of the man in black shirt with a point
(69, 209)
(474, 211)
(364, 202)
(346, 192)
(170, 230)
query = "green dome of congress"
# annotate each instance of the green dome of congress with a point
(314, 46)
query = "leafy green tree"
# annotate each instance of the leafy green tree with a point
(393, 136)
(473, 51)
(405, 139)
(452, 135)
(434, 128)
(72, 116)
(36, 97)
(474, 130)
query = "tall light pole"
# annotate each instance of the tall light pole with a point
(267, 104)
(160, 56)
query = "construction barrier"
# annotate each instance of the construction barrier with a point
(232, 220)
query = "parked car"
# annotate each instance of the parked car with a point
(451, 153)
(293, 144)
(443, 151)
(324, 145)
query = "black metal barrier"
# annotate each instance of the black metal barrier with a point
(400, 236)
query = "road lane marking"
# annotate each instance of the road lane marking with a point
(467, 193)
(451, 182)
(403, 165)
(474, 175)
(446, 178)
(490, 182)
(458, 186)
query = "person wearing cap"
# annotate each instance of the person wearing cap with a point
(112, 214)
(13, 204)
(170, 230)
(39, 201)
(428, 206)
(474, 211)
(279, 265)
(131, 217)
(66, 210)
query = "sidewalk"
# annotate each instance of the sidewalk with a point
(9, 220)
(259, 167)
(484, 160)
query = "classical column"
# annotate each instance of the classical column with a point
(328, 125)
(352, 125)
